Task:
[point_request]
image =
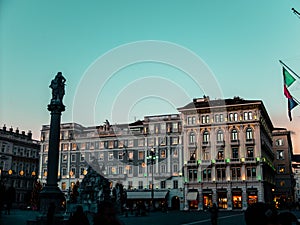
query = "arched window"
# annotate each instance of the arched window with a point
(206, 137)
(234, 135)
(192, 138)
(249, 134)
(220, 135)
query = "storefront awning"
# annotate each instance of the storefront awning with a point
(191, 196)
(146, 195)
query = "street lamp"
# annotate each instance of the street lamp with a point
(152, 157)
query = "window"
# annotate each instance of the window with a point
(175, 184)
(73, 158)
(220, 154)
(220, 136)
(281, 168)
(251, 172)
(191, 120)
(175, 168)
(130, 155)
(82, 157)
(141, 155)
(206, 137)
(217, 118)
(174, 140)
(221, 118)
(110, 156)
(120, 155)
(141, 142)
(192, 138)
(192, 175)
(279, 142)
(233, 117)
(205, 119)
(235, 173)
(280, 154)
(250, 152)
(101, 156)
(248, 116)
(221, 175)
(234, 135)
(64, 171)
(163, 154)
(235, 153)
(45, 159)
(141, 169)
(175, 127)
(206, 174)
(64, 157)
(129, 185)
(249, 134)
(175, 153)
(205, 155)
(121, 170)
(140, 184)
(163, 184)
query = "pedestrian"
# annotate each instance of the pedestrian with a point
(261, 214)
(106, 215)
(287, 218)
(79, 218)
(214, 214)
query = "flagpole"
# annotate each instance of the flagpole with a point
(289, 69)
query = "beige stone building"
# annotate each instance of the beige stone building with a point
(227, 153)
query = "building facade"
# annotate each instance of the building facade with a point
(285, 183)
(227, 153)
(121, 153)
(19, 157)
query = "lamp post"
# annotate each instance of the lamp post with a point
(152, 157)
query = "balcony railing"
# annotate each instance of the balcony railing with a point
(250, 141)
(205, 143)
(235, 142)
(220, 143)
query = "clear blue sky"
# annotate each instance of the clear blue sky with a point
(239, 41)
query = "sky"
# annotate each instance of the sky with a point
(124, 60)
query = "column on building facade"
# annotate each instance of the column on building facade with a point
(229, 191)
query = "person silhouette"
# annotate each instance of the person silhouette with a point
(214, 214)
(79, 218)
(261, 213)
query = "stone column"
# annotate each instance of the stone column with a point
(51, 197)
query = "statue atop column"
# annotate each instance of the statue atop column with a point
(58, 88)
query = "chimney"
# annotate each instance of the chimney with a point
(17, 130)
(11, 129)
(29, 135)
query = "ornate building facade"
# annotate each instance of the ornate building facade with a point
(19, 157)
(227, 153)
(213, 151)
(121, 153)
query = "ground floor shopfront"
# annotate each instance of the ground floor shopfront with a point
(227, 196)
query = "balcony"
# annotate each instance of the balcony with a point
(250, 160)
(192, 163)
(205, 144)
(250, 141)
(235, 160)
(220, 161)
(235, 142)
(220, 143)
(206, 162)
